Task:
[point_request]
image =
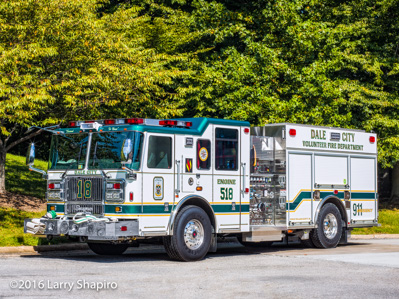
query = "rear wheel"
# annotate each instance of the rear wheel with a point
(191, 235)
(108, 248)
(308, 243)
(329, 227)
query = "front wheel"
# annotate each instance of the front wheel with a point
(191, 235)
(108, 248)
(329, 227)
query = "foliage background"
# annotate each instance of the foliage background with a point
(319, 62)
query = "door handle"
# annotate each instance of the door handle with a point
(177, 190)
(244, 168)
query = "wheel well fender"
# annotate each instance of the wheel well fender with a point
(192, 200)
(337, 202)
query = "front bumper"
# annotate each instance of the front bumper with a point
(92, 230)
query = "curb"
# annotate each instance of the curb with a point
(42, 248)
(369, 237)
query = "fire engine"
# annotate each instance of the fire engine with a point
(115, 182)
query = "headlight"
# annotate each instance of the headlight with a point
(54, 195)
(115, 191)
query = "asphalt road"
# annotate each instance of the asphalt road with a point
(362, 269)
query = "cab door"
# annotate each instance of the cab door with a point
(227, 178)
(158, 180)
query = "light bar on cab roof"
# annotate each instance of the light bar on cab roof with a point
(109, 122)
(175, 123)
(134, 121)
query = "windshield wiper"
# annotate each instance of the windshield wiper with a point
(77, 158)
(99, 163)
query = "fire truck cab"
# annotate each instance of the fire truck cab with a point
(115, 182)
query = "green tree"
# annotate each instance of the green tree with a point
(63, 60)
(332, 63)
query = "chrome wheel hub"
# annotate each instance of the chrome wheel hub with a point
(193, 234)
(330, 226)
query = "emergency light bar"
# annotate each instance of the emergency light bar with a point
(108, 122)
(175, 123)
(95, 124)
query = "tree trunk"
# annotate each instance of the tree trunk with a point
(395, 183)
(3, 155)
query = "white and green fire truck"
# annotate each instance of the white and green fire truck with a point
(113, 183)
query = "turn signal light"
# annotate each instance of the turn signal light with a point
(118, 209)
(199, 188)
(52, 208)
(51, 186)
(117, 185)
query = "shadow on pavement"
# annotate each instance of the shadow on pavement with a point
(149, 252)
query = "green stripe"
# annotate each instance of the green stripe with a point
(154, 209)
(126, 209)
(228, 208)
(303, 195)
(307, 195)
(363, 195)
(59, 208)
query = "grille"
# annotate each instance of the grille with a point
(85, 208)
(84, 189)
(84, 194)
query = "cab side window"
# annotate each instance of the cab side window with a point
(203, 154)
(159, 152)
(226, 149)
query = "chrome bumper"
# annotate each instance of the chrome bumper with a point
(92, 230)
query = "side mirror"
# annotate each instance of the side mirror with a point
(30, 155)
(127, 148)
(30, 159)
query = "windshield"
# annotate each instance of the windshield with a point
(106, 150)
(69, 151)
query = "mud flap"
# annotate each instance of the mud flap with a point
(214, 242)
(346, 234)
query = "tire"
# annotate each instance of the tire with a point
(329, 227)
(108, 248)
(191, 238)
(308, 243)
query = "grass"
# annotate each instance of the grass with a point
(389, 220)
(22, 181)
(12, 227)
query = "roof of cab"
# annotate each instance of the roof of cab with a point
(198, 127)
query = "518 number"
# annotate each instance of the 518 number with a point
(226, 193)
